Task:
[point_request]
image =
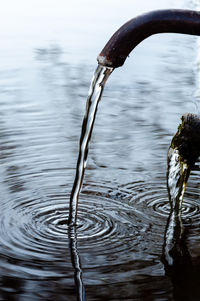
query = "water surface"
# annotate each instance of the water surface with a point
(46, 69)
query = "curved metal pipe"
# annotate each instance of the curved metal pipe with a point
(127, 37)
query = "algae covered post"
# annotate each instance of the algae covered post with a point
(182, 155)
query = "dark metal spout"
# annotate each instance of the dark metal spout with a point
(127, 37)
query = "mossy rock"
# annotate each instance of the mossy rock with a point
(187, 139)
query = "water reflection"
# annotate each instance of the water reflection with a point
(11, 288)
(76, 263)
(180, 267)
(52, 54)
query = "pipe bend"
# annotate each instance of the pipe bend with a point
(127, 37)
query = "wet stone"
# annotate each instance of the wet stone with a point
(187, 139)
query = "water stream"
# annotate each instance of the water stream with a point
(176, 256)
(177, 176)
(182, 156)
(97, 85)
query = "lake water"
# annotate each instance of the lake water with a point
(47, 57)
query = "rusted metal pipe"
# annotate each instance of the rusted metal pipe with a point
(127, 37)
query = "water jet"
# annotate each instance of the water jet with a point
(114, 55)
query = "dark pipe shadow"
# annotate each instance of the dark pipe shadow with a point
(76, 263)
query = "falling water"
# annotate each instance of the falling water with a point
(177, 176)
(182, 155)
(97, 85)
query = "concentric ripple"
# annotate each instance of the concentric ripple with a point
(34, 232)
(152, 198)
(117, 227)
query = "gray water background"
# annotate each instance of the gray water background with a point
(47, 57)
